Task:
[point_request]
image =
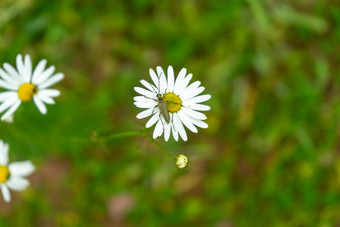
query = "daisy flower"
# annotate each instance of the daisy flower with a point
(24, 84)
(12, 175)
(172, 103)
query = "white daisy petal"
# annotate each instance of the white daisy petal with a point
(180, 78)
(180, 128)
(199, 123)
(171, 79)
(28, 69)
(7, 85)
(7, 95)
(49, 92)
(41, 106)
(145, 105)
(3, 153)
(21, 169)
(144, 99)
(167, 131)
(42, 77)
(144, 114)
(194, 113)
(153, 119)
(39, 70)
(11, 110)
(198, 107)
(192, 93)
(146, 93)
(163, 85)
(20, 65)
(149, 86)
(8, 78)
(46, 99)
(174, 132)
(11, 71)
(183, 85)
(5, 193)
(187, 122)
(158, 130)
(153, 76)
(17, 183)
(9, 102)
(199, 99)
(51, 81)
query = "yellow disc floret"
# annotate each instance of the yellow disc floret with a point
(4, 174)
(174, 103)
(26, 91)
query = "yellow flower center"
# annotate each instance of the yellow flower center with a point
(174, 103)
(4, 174)
(26, 91)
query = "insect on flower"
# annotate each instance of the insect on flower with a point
(173, 104)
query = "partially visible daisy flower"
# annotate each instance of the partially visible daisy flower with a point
(182, 100)
(181, 161)
(24, 84)
(12, 175)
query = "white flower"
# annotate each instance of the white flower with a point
(181, 161)
(12, 175)
(23, 84)
(181, 99)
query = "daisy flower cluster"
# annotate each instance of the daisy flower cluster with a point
(172, 103)
(22, 84)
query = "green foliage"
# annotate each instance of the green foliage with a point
(270, 156)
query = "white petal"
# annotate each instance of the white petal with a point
(49, 92)
(42, 77)
(158, 130)
(167, 131)
(7, 95)
(192, 86)
(154, 77)
(149, 86)
(17, 183)
(180, 128)
(51, 81)
(193, 113)
(179, 89)
(199, 99)
(187, 122)
(45, 99)
(41, 106)
(153, 119)
(146, 93)
(21, 169)
(3, 153)
(145, 105)
(9, 102)
(12, 72)
(171, 79)
(7, 85)
(5, 193)
(11, 110)
(28, 69)
(144, 99)
(163, 85)
(180, 78)
(144, 114)
(198, 107)
(174, 132)
(8, 78)
(190, 94)
(199, 123)
(39, 70)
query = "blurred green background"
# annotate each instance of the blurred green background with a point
(270, 156)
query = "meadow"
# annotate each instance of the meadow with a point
(270, 156)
